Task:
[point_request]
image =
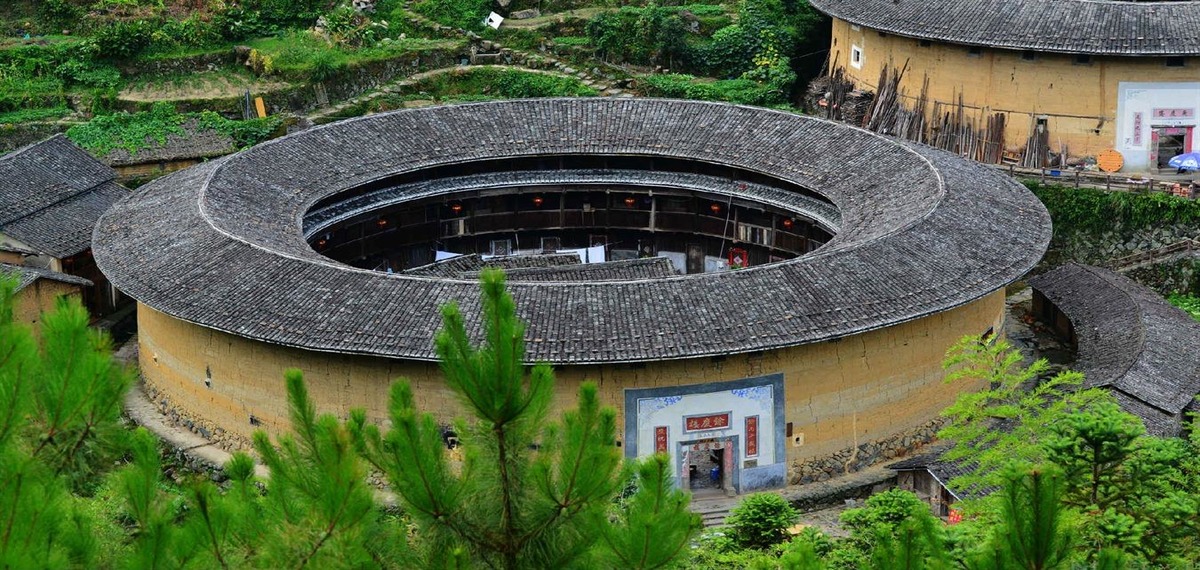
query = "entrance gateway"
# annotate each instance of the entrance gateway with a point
(721, 436)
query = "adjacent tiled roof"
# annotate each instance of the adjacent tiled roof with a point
(472, 263)
(27, 275)
(625, 270)
(1130, 340)
(52, 193)
(922, 231)
(1069, 26)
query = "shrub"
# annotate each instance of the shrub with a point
(123, 40)
(761, 520)
(742, 91)
(465, 14)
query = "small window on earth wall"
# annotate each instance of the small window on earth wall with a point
(975, 51)
(856, 57)
(1083, 59)
(1029, 55)
(1174, 62)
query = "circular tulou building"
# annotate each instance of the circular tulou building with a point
(1080, 76)
(620, 223)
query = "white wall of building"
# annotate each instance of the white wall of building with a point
(1137, 104)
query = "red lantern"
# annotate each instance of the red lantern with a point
(629, 202)
(456, 207)
(715, 207)
(537, 201)
(787, 223)
(381, 222)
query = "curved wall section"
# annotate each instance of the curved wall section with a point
(859, 392)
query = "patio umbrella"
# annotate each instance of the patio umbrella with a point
(1187, 161)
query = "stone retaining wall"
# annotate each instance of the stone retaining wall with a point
(853, 459)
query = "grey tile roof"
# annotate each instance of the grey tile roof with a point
(625, 270)
(1129, 340)
(922, 231)
(1069, 26)
(468, 266)
(52, 193)
(27, 275)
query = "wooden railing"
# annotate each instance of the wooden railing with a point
(1187, 245)
(1089, 179)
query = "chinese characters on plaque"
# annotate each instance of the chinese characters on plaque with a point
(660, 439)
(1137, 129)
(706, 422)
(1174, 113)
(751, 436)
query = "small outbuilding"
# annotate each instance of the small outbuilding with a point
(51, 195)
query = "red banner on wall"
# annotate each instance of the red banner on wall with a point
(751, 436)
(660, 439)
(706, 422)
(738, 258)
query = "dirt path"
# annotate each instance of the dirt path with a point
(204, 85)
(548, 19)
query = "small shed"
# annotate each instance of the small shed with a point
(38, 290)
(51, 195)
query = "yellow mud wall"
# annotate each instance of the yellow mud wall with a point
(860, 388)
(1076, 99)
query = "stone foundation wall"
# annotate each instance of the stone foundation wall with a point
(1179, 276)
(852, 459)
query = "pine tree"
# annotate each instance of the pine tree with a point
(1033, 534)
(59, 433)
(1005, 423)
(530, 493)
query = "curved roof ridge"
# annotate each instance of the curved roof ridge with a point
(923, 231)
(1094, 27)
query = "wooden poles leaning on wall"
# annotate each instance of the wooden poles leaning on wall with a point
(971, 132)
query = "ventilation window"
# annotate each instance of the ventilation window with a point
(1029, 55)
(975, 51)
(924, 43)
(882, 34)
(1174, 62)
(856, 57)
(1083, 59)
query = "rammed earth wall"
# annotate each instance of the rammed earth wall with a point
(876, 392)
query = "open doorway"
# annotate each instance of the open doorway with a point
(707, 467)
(1167, 142)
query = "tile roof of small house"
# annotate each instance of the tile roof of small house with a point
(922, 231)
(1068, 26)
(27, 275)
(1130, 340)
(52, 193)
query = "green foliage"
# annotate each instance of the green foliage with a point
(742, 91)
(130, 131)
(1006, 422)
(761, 520)
(491, 83)
(1096, 211)
(136, 131)
(530, 493)
(1033, 534)
(1189, 303)
(258, 18)
(245, 133)
(59, 432)
(32, 115)
(894, 529)
(124, 39)
(59, 14)
(649, 35)
(465, 14)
